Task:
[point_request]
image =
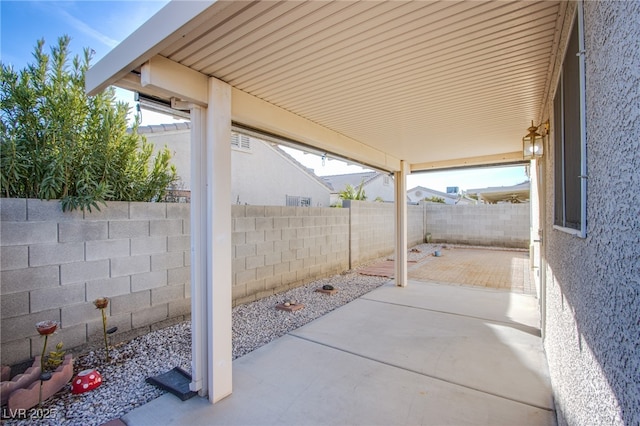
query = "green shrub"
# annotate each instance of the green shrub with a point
(351, 193)
(435, 199)
(59, 143)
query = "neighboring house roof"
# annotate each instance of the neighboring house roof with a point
(516, 193)
(419, 193)
(301, 166)
(159, 128)
(338, 183)
(424, 191)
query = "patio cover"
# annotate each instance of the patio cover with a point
(399, 86)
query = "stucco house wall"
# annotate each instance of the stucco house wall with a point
(265, 176)
(380, 186)
(261, 175)
(592, 332)
(176, 137)
(374, 184)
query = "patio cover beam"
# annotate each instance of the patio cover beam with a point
(161, 75)
(261, 115)
(485, 160)
(176, 80)
(162, 30)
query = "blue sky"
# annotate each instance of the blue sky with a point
(98, 25)
(101, 25)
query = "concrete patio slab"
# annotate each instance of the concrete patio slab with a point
(490, 304)
(493, 357)
(377, 361)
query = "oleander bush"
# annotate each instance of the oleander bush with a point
(60, 143)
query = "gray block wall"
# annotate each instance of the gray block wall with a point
(373, 229)
(278, 248)
(500, 225)
(54, 264)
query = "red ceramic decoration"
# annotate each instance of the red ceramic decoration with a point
(46, 327)
(85, 381)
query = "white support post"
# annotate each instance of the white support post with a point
(211, 277)
(219, 245)
(400, 179)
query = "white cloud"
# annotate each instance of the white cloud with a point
(131, 15)
(87, 30)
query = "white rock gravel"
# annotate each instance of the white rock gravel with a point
(254, 324)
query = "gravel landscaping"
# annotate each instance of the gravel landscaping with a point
(254, 324)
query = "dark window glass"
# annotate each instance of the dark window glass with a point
(568, 138)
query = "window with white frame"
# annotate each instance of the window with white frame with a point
(569, 138)
(241, 142)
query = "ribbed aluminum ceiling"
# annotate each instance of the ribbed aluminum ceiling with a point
(423, 81)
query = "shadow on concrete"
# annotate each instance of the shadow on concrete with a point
(389, 358)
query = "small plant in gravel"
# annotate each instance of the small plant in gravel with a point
(56, 358)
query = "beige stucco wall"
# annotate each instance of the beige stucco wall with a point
(260, 176)
(264, 177)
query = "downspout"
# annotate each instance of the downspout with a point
(400, 181)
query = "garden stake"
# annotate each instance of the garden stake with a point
(45, 328)
(102, 304)
(104, 331)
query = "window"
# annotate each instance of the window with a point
(239, 141)
(569, 138)
(386, 180)
(296, 201)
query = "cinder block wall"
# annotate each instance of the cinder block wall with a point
(54, 264)
(278, 248)
(373, 229)
(416, 225)
(501, 225)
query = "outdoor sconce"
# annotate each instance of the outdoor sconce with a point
(532, 144)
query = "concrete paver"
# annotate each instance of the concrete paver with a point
(389, 358)
(505, 269)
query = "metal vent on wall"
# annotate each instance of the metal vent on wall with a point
(240, 141)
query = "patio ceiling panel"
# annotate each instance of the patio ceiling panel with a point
(428, 82)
